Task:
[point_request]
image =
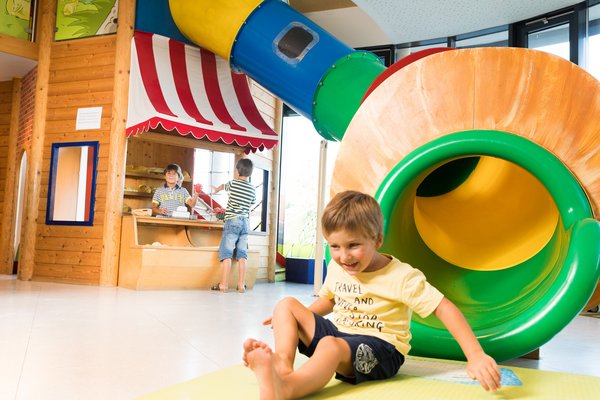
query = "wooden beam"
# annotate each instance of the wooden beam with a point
(109, 262)
(10, 190)
(18, 47)
(47, 19)
(272, 258)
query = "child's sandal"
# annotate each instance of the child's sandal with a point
(241, 289)
(219, 288)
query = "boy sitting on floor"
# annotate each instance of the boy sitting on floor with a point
(371, 296)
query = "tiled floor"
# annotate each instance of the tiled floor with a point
(78, 342)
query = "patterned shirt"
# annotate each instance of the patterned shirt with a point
(165, 197)
(380, 303)
(241, 196)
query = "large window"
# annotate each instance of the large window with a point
(554, 40)
(213, 168)
(556, 33)
(593, 43)
(408, 48)
(300, 146)
(258, 212)
(497, 37)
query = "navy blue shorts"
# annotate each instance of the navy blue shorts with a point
(372, 358)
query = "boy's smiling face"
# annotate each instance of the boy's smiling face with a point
(355, 253)
(171, 178)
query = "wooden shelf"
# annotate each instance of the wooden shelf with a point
(136, 194)
(144, 175)
(199, 223)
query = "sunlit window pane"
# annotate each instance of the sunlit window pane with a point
(497, 39)
(593, 63)
(554, 40)
(300, 148)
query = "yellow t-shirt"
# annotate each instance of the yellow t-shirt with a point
(380, 303)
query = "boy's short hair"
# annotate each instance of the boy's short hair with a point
(353, 212)
(244, 167)
(176, 168)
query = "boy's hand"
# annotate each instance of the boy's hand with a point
(484, 369)
(268, 321)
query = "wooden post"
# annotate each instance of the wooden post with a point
(8, 211)
(47, 18)
(272, 259)
(109, 264)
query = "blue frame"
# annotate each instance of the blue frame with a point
(52, 184)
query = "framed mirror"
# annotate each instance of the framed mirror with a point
(72, 185)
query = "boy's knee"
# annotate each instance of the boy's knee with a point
(332, 344)
(288, 302)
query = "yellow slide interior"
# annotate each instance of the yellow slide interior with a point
(484, 224)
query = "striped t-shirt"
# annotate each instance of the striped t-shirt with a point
(241, 196)
(165, 197)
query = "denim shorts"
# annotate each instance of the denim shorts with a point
(372, 358)
(234, 241)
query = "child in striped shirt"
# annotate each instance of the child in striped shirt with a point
(234, 241)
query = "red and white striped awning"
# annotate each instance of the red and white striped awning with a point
(190, 90)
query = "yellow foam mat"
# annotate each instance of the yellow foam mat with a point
(419, 378)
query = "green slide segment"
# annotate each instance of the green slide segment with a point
(341, 90)
(512, 310)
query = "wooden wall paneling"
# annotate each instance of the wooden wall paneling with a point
(71, 232)
(90, 84)
(94, 71)
(109, 262)
(69, 244)
(7, 184)
(65, 114)
(45, 32)
(81, 275)
(81, 99)
(86, 88)
(86, 47)
(78, 136)
(62, 66)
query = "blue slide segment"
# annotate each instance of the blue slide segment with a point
(286, 52)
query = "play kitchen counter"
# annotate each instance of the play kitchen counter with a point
(169, 253)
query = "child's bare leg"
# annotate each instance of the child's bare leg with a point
(331, 354)
(261, 362)
(225, 267)
(291, 321)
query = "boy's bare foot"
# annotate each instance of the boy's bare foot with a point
(261, 362)
(252, 344)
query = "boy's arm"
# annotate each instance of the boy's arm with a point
(480, 366)
(322, 306)
(192, 200)
(155, 209)
(217, 189)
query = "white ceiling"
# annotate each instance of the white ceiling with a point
(14, 66)
(399, 21)
(377, 22)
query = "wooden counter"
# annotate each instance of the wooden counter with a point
(170, 253)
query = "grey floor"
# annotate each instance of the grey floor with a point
(79, 342)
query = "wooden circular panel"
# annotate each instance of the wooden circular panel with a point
(534, 94)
